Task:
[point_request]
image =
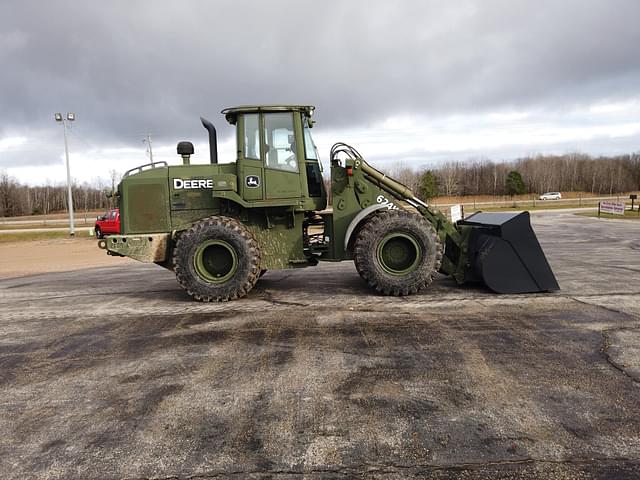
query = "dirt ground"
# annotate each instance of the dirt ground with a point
(56, 255)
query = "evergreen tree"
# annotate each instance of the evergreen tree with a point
(514, 183)
(428, 186)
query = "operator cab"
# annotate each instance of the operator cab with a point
(277, 158)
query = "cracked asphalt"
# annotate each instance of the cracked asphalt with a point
(114, 373)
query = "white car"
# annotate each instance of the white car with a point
(551, 196)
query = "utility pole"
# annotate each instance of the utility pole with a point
(148, 141)
(69, 118)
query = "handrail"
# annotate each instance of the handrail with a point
(141, 167)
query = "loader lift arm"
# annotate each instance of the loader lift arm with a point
(455, 240)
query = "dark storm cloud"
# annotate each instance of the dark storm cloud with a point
(128, 67)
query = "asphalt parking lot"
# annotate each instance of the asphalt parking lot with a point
(115, 373)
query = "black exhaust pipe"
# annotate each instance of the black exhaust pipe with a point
(213, 139)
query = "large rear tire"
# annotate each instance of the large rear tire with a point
(397, 252)
(217, 259)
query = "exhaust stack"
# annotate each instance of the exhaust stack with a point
(213, 139)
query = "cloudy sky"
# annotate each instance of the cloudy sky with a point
(412, 82)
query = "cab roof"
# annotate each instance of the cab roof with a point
(231, 113)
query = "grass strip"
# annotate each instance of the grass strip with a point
(627, 215)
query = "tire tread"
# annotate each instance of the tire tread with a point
(378, 225)
(240, 284)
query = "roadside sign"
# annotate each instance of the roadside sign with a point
(456, 213)
(616, 208)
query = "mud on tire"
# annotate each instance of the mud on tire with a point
(217, 259)
(397, 252)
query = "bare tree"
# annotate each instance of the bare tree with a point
(449, 176)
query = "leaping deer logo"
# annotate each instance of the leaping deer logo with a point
(253, 181)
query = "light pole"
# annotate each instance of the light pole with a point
(70, 118)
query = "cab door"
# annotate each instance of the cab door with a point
(111, 223)
(281, 171)
(251, 181)
(116, 227)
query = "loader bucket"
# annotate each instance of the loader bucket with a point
(505, 255)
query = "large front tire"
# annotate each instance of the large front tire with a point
(397, 252)
(217, 259)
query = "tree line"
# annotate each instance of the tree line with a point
(543, 173)
(539, 174)
(17, 199)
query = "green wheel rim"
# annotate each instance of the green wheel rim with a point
(398, 253)
(215, 261)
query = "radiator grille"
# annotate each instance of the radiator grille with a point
(147, 209)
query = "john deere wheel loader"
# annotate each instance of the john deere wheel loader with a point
(218, 226)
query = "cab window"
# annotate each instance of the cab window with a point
(314, 168)
(252, 136)
(280, 143)
(310, 149)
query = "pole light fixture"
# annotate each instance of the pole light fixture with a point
(60, 119)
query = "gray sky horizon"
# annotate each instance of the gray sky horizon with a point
(415, 82)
